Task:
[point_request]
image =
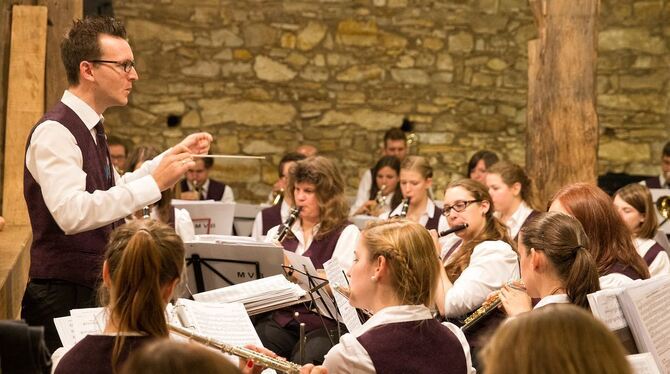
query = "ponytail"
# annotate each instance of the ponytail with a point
(582, 278)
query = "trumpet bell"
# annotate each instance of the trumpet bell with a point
(663, 206)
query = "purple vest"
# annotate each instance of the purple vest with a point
(214, 191)
(433, 223)
(424, 346)
(271, 217)
(93, 354)
(75, 258)
(623, 269)
(653, 182)
(651, 254)
(319, 252)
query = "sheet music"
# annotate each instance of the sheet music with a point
(304, 264)
(250, 291)
(65, 331)
(605, 306)
(646, 309)
(643, 363)
(335, 275)
(87, 321)
(228, 323)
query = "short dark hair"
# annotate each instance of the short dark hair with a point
(394, 134)
(113, 140)
(289, 157)
(81, 43)
(666, 150)
(209, 162)
(489, 158)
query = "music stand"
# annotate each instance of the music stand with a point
(208, 216)
(245, 214)
(212, 265)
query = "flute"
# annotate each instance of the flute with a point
(489, 306)
(258, 358)
(452, 230)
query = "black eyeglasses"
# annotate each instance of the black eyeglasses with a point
(126, 65)
(458, 206)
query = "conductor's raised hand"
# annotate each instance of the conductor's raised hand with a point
(197, 143)
(172, 167)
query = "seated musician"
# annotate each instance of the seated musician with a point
(663, 179)
(636, 208)
(514, 195)
(481, 262)
(610, 242)
(394, 276)
(556, 266)
(143, 264)
(321, 232)
(279, 211)
(199, 186)
(416, 179)
(479, 164)
(386, 188)
(558, 339)
(395, 144)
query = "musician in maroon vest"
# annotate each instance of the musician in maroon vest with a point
(394, 276)
(321, 232)
(279, 211)
(199, 186)
(514, 195)
(74, 195)
(610, 242)
(636, 208)
(663, 180)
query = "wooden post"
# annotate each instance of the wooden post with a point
(25, 101)
(61, 15)
(562, 131)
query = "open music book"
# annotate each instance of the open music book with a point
(258, 296)
(81, 322)
(637, 314)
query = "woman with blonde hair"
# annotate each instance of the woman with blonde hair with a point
(636, 208)
(321, 232)
(394, 276)
(416, 180)
(557, 339)
(143, 264)
(514, 195)
(610, 243)
(556, 266)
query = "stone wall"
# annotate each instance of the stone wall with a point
(266, 76)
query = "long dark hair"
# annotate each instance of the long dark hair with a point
(393, 163)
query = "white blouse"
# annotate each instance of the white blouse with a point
(560, 298)
(349, 356)
(661, 264)
(492, 264)
(517, 219)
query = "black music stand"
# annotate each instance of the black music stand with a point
(198, 262)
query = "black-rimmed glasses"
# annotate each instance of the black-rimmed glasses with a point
(126, 65)
(458, 206)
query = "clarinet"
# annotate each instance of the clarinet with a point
(404, 208)
(286, 226)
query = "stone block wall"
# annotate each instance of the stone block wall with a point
(264, 76)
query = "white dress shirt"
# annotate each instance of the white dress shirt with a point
(344, 249)
(516, 220)
(661, 264)
(363, 193)
(560, 298)
(228, 197)
(257, 229)
(614, 280)
(55, 161)
(349, 356)
(492, 264)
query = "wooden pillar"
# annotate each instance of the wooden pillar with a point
(25, 101)
(562, 132)
(61, 15)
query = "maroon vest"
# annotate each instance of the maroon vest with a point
(651, 254)
(424, 346)
(623, 269)
(319, 252)
(214, 191)
(654, 182)
(433, 223)
(93, 354)
(75, 258)
(271, 217)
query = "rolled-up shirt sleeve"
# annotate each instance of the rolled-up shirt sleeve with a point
(55, 162)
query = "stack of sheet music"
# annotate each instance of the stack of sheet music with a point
(258, 296)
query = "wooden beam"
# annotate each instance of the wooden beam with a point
(562, 132)
(14, 265)
(25, 101)
(61, 14)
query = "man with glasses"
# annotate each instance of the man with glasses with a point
(75, 197)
